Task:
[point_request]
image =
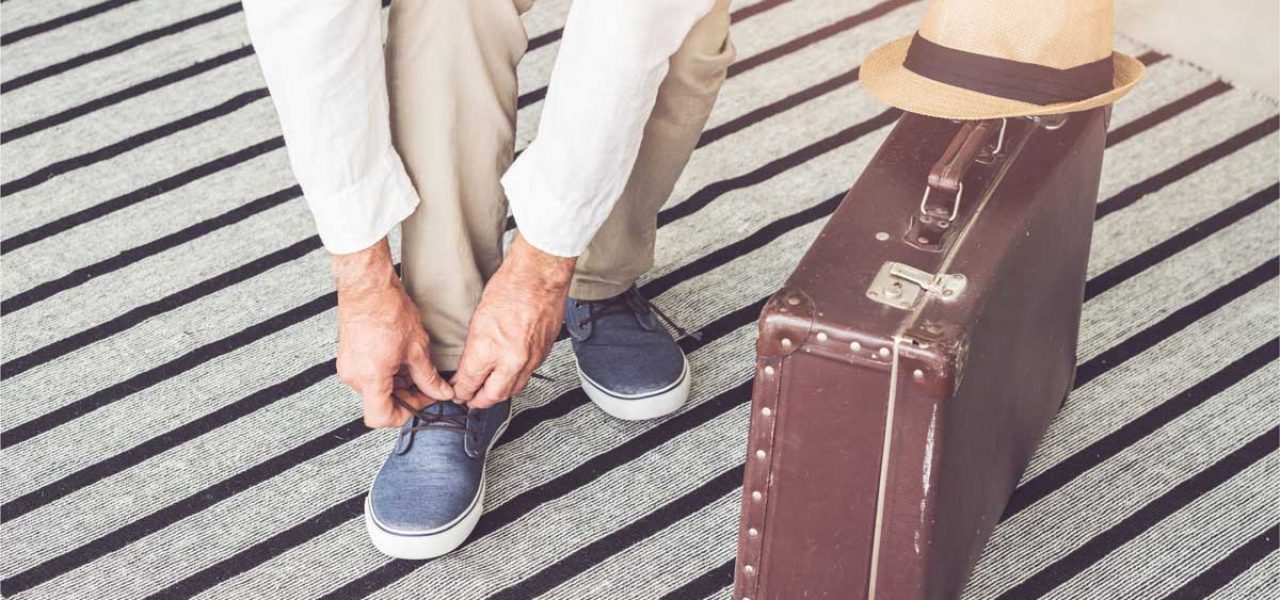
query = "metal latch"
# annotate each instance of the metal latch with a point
(900, 285)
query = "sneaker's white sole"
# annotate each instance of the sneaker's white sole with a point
(640, 407)
(422, 546)
(427, 545)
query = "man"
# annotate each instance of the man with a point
(426, 136)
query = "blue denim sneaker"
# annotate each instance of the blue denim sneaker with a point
(629, 364)
(429, 494)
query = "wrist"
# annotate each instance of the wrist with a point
(365, 271)
(531, 264)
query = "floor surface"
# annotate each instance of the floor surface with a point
(171, 426)
(1237, 39)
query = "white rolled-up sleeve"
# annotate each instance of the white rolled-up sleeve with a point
(323, 63)
(613, 57)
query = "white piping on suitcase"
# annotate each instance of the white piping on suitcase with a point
(899, 337)
(884, 470)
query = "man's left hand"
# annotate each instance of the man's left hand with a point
(514, 326)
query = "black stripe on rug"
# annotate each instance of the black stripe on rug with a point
(133, 91)
(1231, 566)
(42, 73)
(1155, 183)
(133, 142)
(704, 585)
(1068, 469)
(1144, 518)
(60, 21)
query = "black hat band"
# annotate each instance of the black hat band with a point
(1037, 84)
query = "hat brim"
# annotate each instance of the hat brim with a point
(884, 77)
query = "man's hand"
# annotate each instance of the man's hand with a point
(382, 347)
(514, 326)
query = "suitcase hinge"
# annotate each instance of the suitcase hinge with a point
(900, 285)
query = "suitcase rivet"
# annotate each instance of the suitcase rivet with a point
(760, 454)
(753, 532)
(786, 342)
(766, 411)
(822, 337)
(749, 570)
(768, 370)
(918, 375)
(793, 301)
(757, 496)
(884, 352)
(855, 346)
(922, 240)
(882, 236)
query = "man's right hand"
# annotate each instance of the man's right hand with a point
(380, 338)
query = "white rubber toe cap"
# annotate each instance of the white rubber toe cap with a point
(639, 407)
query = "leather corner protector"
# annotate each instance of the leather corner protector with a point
(785, 322)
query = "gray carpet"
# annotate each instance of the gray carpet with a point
(171, 426)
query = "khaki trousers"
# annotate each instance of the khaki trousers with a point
(451, 73)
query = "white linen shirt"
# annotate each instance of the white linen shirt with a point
(323, 62)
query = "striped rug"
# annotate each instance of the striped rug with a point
(172, 428)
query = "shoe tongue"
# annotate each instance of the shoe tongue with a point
(628, 303)
(446, 407)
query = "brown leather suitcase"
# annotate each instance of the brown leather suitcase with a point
(915, 357)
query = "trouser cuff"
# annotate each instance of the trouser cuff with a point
(596, 290)
(445, 360)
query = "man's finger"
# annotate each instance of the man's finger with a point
(522, 381)
(496, 388)
(426, 377)
(473, 370)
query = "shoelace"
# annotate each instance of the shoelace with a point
(619, 305)
(428, 418)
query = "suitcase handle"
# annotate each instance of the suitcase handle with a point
(948, 173)
(967, 147)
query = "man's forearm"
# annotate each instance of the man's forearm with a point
(362, 274)
(537, 270)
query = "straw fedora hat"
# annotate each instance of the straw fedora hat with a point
(986, 59)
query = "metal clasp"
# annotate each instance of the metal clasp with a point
(1050, 122)
(955, 208)
(899, 285)
(994, 153)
